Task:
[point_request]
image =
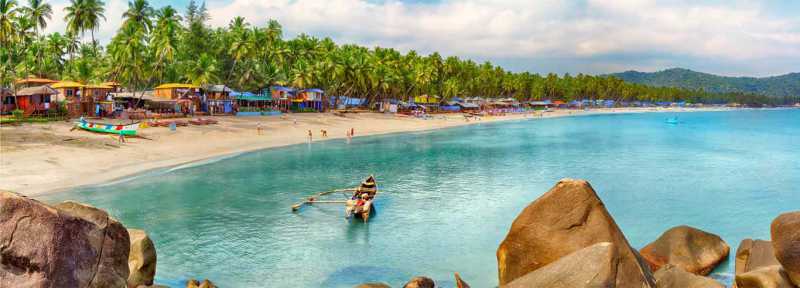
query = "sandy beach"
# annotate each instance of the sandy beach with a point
(47, 158)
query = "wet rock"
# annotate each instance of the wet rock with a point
(420, 282)
(593, 266)
(142, 259)
(110, 238)
(192, 283)
(691, 249)
(765, 277)
(373, 285)
(566, 219)
(754, 254)
(670, 276)
(460, 282)
(77, 246)
(785, 233)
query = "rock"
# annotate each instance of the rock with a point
(785, 233)
(110, 238)
(207, 284)
(373, 285)
(670, 276)
(691, 249)
(420, 282)
(754, 254)
(142, 259)
(460, 283)
(765, 277)
(192, 283)
(42, 246)
(593, 266)
(566, 219)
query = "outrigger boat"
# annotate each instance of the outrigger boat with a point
(125, 129)
(358, 204)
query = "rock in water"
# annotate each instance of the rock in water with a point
(670, 276)
(566, 219)
(192, 283)
(142, 259)
(110, 238)
(420, 282)
(47, 247)
(460, 283)
(785, 232)
(373, 285)
(765, 277)
(591, 267)
(691, 249)
(754, 254)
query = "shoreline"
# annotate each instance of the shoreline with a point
(50, 174)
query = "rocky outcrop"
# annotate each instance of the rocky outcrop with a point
(670, 276)
(593, 266)
(373, 285)
(192, 283)
(110, 238)
(420, 282)
(74, 246)
(142, 259)
(785, 233)
(566, 219)
(460, 283)
(765, 277)
(754, 254)
(691, 249)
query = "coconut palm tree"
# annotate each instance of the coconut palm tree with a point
(140, 13)
(84, 15)
(164, 41)
(202, 71)
(8, 14)
(39, 12)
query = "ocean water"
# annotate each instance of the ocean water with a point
(448, 197)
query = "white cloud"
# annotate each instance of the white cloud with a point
(594, 35)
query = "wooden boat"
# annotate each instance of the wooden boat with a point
(124, 129)
(360, 204)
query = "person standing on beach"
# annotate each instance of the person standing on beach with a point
(310, 136)
(121, 138)
(352, 132)
(258, 128)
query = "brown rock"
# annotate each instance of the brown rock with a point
(765, 277)
(691, 249)
(142, 259)
(420, 282)
(591, 267)
(207, 284)
(192, 283)
(460, 283)
(373, 285)
(785, 233)
(754, 254)
(566, 219)
(110, 238)
(670, 276)
(41, 246)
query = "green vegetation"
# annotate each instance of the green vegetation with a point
(787, 85)
(156, 46)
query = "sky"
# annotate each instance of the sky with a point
(732, 38)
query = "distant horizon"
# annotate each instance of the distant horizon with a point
(735, 39)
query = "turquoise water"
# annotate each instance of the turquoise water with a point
(448, 197)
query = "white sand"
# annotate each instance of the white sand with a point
(44, 158)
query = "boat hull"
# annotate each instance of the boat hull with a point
(128, 130)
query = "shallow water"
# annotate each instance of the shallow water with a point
(449, 196)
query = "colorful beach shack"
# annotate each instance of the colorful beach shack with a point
(184, 98)
(36, 99)
(70, 91)
(218, 99)
(282, 97)
(32, 81)
(309, 99)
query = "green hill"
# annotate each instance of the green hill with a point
(775, 86)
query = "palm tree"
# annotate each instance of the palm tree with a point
(8, 12)
(83, 15)
(164, 40)
(39, 12)
(202, 71)
(139, 12)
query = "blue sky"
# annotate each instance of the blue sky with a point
(736, 38)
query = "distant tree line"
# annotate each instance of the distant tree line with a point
(156, 46)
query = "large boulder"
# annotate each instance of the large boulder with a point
(785, 233)
(591, 267)
(110, 238)
(420, 282)
(670, 276)
(754, 254)
(47, 247)
(691, 249)
(142, 259)
(765, 277)
(566, 219)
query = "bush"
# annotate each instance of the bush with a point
(18, 114)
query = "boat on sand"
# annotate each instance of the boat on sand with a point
(124, 129)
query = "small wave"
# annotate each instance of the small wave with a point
(202, 162)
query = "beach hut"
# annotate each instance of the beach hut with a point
(282, 97)
(449, 106)
(7, 97)
(251, 104)
(218, 99)
(310, 99)
(36, 99)
(184, 98)
(468, 107)
(99, 95)
(541, 105)
(32, 81)
(70, 92)
(430, 102)
(114, 86)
